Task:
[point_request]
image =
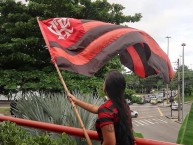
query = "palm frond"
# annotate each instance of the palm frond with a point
(55, 108)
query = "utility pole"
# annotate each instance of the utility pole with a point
(179, 99)
(183, 44)
(168, 37)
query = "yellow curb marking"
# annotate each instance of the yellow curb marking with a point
(161, 114)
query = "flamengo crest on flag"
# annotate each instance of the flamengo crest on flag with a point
(64, 25)
(84, 46)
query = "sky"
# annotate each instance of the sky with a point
(173, 18)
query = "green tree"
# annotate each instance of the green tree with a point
(25, 62)
(144, 85)
(188, 80)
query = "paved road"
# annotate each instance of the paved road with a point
(153, 123)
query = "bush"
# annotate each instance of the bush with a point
(129, 94)
(137, 99)
(11, 134)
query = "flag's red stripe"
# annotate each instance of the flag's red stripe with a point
(89, 25)
(137, 63)
(93, 48)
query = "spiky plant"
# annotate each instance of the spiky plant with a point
(55, 108)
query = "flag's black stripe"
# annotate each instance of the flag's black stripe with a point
(88, 37)
(141, 51)
(160, 64)
(117, 46)
(89, 69)
(86, 21)
(126, 60)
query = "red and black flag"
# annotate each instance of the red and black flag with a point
(84, 46)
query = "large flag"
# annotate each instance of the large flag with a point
(84, 46)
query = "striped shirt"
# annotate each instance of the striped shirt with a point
(108, 114)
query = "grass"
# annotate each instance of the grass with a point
(185, 134)
(188, 98)
(5, 111)
(137, 134)
(182, 130)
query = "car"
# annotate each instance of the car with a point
(175, 105)
(154, 100)
(147, 99)
(129, 102)
(134, 114)
(160, 99)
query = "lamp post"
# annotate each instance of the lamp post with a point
(168, 37)
(183, 44)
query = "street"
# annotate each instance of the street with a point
(155, 121)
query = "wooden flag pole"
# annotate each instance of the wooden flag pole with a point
(74, 106)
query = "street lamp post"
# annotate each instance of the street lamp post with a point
(183, 44)
(168, 37)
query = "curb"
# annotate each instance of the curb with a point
(179, 122)
(176, 119)
(188, 102)
(169, 117)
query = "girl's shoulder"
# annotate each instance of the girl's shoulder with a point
(107, 104)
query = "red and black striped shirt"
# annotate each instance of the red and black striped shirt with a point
(107, 114)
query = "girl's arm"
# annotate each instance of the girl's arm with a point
(89, 107)
(108, 132)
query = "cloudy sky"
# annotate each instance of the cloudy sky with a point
(163, 18)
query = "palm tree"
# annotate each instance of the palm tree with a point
(55, 108)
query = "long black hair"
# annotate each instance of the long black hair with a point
(115, 88)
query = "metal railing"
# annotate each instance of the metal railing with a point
(72, 130)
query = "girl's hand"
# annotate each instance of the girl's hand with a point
(71, 98)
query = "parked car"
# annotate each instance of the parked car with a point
(134, 114)
(154, 100)
(175, 105)
(129, 102)
(160, 99)
(147, 98)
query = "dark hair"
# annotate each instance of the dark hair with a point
(115, 87)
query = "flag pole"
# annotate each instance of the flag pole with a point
(66, 89)
(73, 106)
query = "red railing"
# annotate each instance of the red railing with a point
(72, 130)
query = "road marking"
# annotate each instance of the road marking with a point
(143, 106)
(144, 122)
(135, 124)
(161, 114)
(163, 120)
(149, 121)
(139, 122)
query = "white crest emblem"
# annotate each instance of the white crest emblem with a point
(61, 27)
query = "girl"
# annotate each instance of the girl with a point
(113, 125)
